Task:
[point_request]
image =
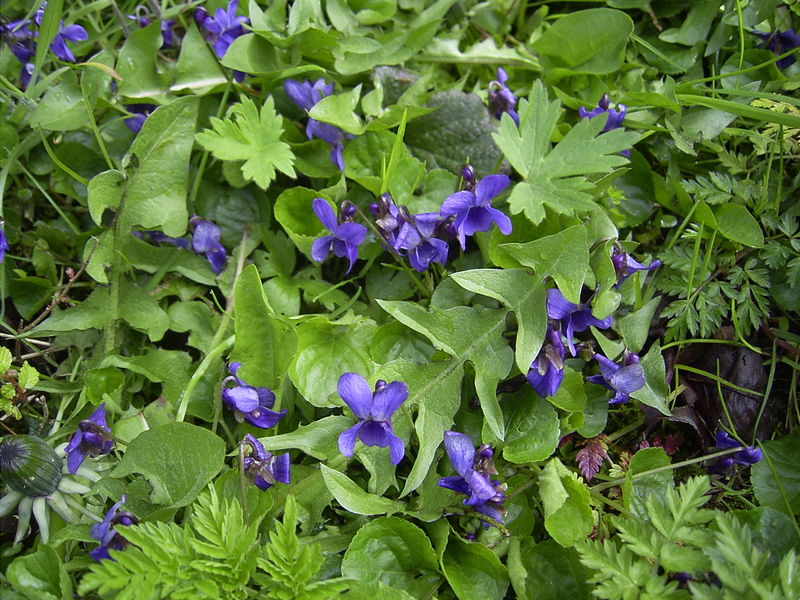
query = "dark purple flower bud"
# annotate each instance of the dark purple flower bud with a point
(70, 33)
(574, 318)
(374, 412)
(260, 466)
(416, 237)
(747, 456)
(485, 495)
(92, 438)
(468, 175)
(221, 29)
(139, 116)
(205, 240)
(249, 403)
(344, 239)
(25, 74)
(547, 369)
(3, 244)
(622, 379)
(501, 98)
(347, 210)
(105, 533)
(781, 42)
(305, 95)
(625, 265)
(473, 210)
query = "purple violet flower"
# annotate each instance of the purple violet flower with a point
(780, 42)
(475, 468)
(388, 218)
(92, 438)
(70, 33)
(221, 29)
(501, 99)
(748, 455)
(260, 466)
(3, 243)
(547, 369)
(622, 379)
(416, 237)
(139, 116)
(249, 403)
(345, 236)
(205, 240)
(374, 413)
(105, 533)
(615, 116)
(625, 265)
(305, 95)
(473, 209)
(574, 318)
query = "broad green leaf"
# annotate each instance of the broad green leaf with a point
(252, 136)
(105, 191)
(28, 376)
(198, 69)
(92, 313)
(586, 41)
(168, 367)
(256, 55)
(736, 223)
(394, 552)
(655, 391)
(571, 395)
(465, 334)
(325, 351)
(138, 67)
(375, 590)
(102, 381)
(157, 166)
(353, 56)
(62, 108)
(524, 295)
(293, 210)
(340, 110)
(636, 490)
(5, 359)
(318, 439)
(635, 326)
(41, 575)
(458, 130)
(567, 514)
(776, 476)
(694, 26)
(564, 256)
(546, 571)
(473, 571)
(177, 459)
(533, 428)
(141, 311)
(353, 498)
(265, 345)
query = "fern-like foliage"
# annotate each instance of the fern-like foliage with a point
(292, 564)
(213, 557)
(677, 537)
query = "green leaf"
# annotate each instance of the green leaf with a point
(394, 552)
(586, 41)
(325, 350)
(340, 110)
(465, 334)
(265, 345)
(776, 479)
(563, 256)
(62, 108)
(353, 498)
(105, 191)
(28, 376)
(635, 326)
(157, 166)
(137, 65)
(533, 428)
(636, 490)
(567, 514)
(252, 137)
(458, 130)
(655, 391)
(545, 571)
(474, 571)
(525, 296)
(178, 459)
(5, 359)
(170, 367)
(40, 575)
(92, 313)
(198, 69)
(571, 395)
(141, 311)
(318, 439)
(736, 223)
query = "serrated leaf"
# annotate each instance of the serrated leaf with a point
(28, 376)
(253, 137)
(5, 359)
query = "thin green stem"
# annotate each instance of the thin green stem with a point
(198, 375)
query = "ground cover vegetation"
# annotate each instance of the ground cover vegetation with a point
(400, 299)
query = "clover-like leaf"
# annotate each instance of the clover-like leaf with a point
(253, 137)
